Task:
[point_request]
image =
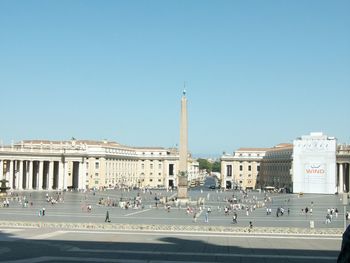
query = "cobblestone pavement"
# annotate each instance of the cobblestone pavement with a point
(72, 211)
(68, 232)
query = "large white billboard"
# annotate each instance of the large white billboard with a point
(315, 175)
(315, 171)
(314, 164)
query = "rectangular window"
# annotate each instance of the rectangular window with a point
(171, 169)
(258, 168)
(229, 170)
(249, 167)
(241, 167)
(97, 165)
(160, 166)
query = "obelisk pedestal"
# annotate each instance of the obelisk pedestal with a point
(182, 187)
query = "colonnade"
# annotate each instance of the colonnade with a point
(343, 177)
(43, 174)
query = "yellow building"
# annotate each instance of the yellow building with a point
(241, 169)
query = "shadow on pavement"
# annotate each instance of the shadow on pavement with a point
(14, 249)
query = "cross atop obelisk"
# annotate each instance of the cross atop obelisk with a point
(183, 151)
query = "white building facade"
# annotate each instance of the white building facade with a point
(84, 164)
(314, 164)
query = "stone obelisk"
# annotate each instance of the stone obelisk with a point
(183, 152)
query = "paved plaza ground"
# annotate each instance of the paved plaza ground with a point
(73, 208)
(153, 233)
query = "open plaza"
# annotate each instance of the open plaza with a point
(160, 207)
(152, 226)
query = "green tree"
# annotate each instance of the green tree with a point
(204, 164)
(216, 167)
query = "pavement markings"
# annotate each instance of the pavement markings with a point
(10, 230)
(211, 218)
(138, 212)
(46, 235)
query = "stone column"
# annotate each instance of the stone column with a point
(15, 174)
(25, 175)
(50, 176)
(40, 175)
(30, 176)
(7, 171)
(347, 176)
(12, 164)
(1, 169)
(20, 176)
(341, 178)
(82, 175)
(65, 176)
(60, 175)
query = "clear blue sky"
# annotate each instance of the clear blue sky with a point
(258, 73)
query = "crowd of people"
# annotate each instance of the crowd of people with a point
(236, 204)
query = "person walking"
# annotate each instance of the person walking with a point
(250, 226)
(206, 220)
(195, 217)
(107, 217)
(234, 218)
